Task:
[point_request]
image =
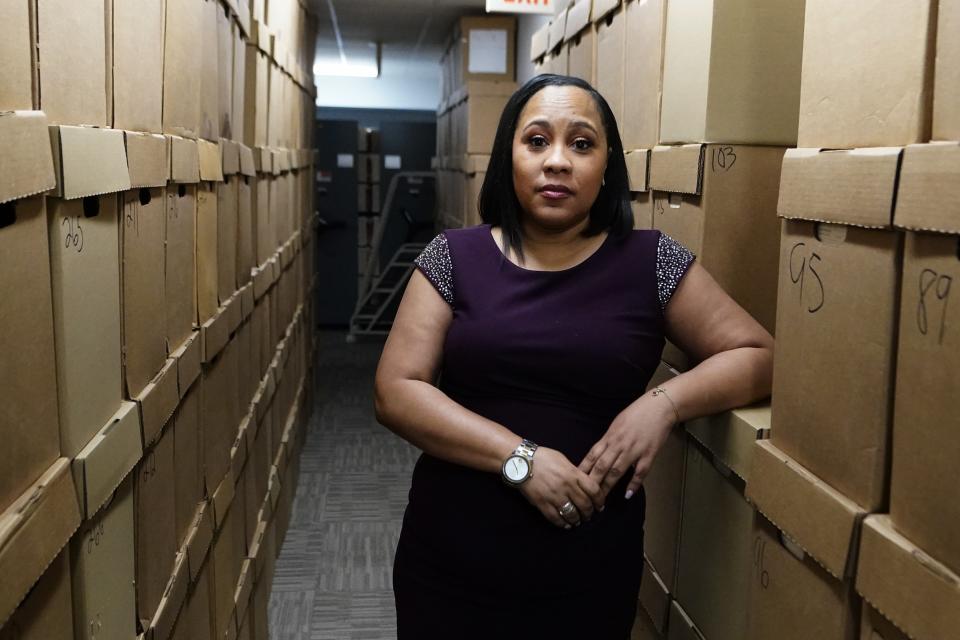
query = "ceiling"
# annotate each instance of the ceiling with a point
(411, 31)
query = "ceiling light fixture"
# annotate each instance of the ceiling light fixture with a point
(346, 69)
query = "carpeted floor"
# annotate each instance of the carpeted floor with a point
(333, 576)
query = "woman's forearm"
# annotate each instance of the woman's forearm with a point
(426, 417)
(724, 381)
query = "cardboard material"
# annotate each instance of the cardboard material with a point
(73, 86)
(174, 596)
(538, 42)
(928, 193)
(224, 573)
(147, 159)
(188, 357)
(792, 597)
(225, 29)
(155, 524)
(720, 201)
(946, 85)
(142, 274)
(184, 160)
(26, 162)
(207, 224)
(239, 83)
(256, 98)
(730, 436)
(654, 598)
(33, 530)
(181, 68)
(822, 521)
(47, 611)
(638, 169)
(664, 490)
(228, 194)
(643, 628)
(219, 421)
(731, 72)
(158, 401)
(107, 459)
(180, 257)
(230, 156)
(917, 593)
(198, 541)
(890, 50)
(854, 187)
(713, 570)
(643, 60)
(873, 626)
(925, 435)
(137, 65)
(245, 234)
(17, 90)
(681, 627)
(89, 161)
(209, 70)
(31, 423)
(839, 288)
(642, 206)
(211, 161)
(102, 563)
(85, 261)
(611, 40)
(188, 478)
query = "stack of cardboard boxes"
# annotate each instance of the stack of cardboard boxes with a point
(478, 78)
(155, 226)
(369, 165)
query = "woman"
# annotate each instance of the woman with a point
(544, 326)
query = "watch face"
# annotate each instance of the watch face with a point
(516, 468)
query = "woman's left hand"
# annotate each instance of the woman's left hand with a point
(633, 440)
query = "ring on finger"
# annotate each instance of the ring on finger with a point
(568, 511)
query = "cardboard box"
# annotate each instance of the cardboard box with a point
(17, 90)
(29, 374)
(538, 43)
(730, 436)
(225, 29)
(245, 230)
(158, 400)
(654, 599)
(228, 194)
(264, 237)
(147, 159)
(107, 458)
(727, 78)
(47, 611)
(638, 169)
(199, 540)
(922, 506)
(643, 628)
(491, 55)
(238, 125)
(184, 160)
(946, 85)
(189, 357)
(88, 161)
(207, 277)
(611, 40)
(224, 574)
(914, 591)
(102, 564)
(822, 521)
(207, 51)
(26, 162)
(85, 272)
(664, 491)
(643, 72)
(173, 599)
(218, 419)
(37, 525)
(792, 597)
(891, 50)
(182, 56)
(186, 459)
(137, 65)
(839, 289)
(194, 621)
(73, 87)
(714, 568)
(642, 206)
(681, 627)
(580, 39)
(179, 261)
(719, 201)
(154, 524)
(873, 626)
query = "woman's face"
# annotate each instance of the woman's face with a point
(559, 157)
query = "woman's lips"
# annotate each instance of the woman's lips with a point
(555, 192)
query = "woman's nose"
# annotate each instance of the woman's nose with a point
(557, 160)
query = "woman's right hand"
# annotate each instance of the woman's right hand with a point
(556, 480)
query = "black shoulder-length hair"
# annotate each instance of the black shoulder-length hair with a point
(498, 204)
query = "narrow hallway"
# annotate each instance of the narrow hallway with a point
(333, 574)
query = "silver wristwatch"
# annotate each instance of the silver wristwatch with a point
(518, 468)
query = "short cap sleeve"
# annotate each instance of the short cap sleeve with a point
(673, 261)
(435, 264)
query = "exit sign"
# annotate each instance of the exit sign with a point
(522, 6)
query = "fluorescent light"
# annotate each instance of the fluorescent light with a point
(347, 69)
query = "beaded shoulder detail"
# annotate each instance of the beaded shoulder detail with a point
(673, 260)
(435, 263)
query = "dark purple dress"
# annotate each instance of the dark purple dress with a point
(554, 356)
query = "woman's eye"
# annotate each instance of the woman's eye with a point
(538, 141)
(582, 144)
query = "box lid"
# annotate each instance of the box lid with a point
(678, 169)
(638, 169)
(230, 157)
(184, 160)
(730, 436)
(558, 27)
(188, 357)
(147, 159)
(199, 539)
(855, 186)
(538, 42)
(211, 166)
(821, 520)
(222, 499)
(89, 161)
(654, 597)
(681, 627)
(601, 8)
(928, 198)
(912, 590)
(578, 18)
(173, 598)
(26, 162)
(107, 459)
(158, 401)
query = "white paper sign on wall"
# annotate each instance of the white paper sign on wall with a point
(546, 7)
(488, 51)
